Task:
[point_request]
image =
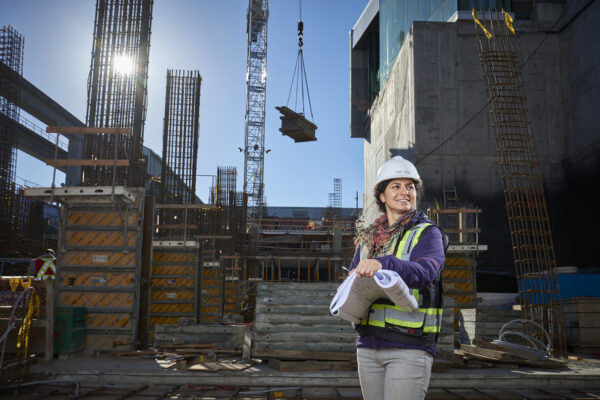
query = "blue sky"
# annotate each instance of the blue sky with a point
(210, 36)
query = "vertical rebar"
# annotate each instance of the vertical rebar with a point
(526, 207)
(11, 55)
(117, 88)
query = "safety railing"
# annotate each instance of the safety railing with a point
(460, 224)
(26, 324)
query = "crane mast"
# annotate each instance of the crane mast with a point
(256, 84)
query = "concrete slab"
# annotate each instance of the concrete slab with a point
(108, 369)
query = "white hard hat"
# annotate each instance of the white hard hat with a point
(397, 167)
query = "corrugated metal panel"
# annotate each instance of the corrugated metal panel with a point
(98, 267)
(174, 277)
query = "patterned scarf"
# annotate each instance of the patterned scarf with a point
(377, 235)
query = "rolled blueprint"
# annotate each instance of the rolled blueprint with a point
(354, 296)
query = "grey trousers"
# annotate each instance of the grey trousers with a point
(393, 374)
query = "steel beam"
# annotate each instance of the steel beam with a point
(42, 107)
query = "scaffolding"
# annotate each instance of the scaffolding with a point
(180, 137)
(526, 207)
(256, 85)
(11, 54)
(117, 89)
(335, 201)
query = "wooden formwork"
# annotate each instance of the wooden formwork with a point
(211, 292)
(98, 267)
(174, 282)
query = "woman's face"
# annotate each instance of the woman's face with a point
(399, 196)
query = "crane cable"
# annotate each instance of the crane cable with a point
(300, 78)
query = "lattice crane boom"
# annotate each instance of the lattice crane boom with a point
(256, 84)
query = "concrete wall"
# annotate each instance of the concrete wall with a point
(392, 124)
(580, 64)
(436, 87)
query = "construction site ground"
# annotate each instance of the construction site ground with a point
(107, 376)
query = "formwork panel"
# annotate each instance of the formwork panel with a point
(99, 259)
(158, 320)
(119, 320)
(173, 257)
(98, 267)
(113, 300)
(102, 218)
(98, 278)
(166, 283)
(102, 240)
(108, 341)
(174, 283)
(180, 309)
(173, 270)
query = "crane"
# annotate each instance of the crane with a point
(256, 84)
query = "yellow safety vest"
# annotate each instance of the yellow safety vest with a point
(388, 321)
(49, 264)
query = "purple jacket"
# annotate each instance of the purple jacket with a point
(426, 259)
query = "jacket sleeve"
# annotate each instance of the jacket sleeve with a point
(355, 259)
(426, 259)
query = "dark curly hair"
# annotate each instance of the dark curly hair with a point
(381, 186)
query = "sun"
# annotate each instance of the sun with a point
(123, 64)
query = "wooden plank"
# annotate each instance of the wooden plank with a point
(273, 301)
(220, 366)
(183, 206)
(188, 346)
(303, 354)
(300, 319)
(495, 355)
(290, 327)
(85, 130)
(86, 163)
(217, 237)
(176, 226)
(512, 351)
(316, 337)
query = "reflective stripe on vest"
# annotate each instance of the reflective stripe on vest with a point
(48, 264)
(430, 319)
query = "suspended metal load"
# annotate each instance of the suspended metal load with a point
(296, 126)
(294, 123)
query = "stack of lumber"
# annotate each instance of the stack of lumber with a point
(227, 336)
(482, 354)
(298, 360)
(295, 316)
(295, 331)
(446, 338)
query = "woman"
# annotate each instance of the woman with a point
(395, 347)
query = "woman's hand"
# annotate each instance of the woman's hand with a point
(367, 268)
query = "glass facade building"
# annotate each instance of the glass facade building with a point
(397, 16)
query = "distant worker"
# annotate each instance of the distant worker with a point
(245, 309)
(311, 225)
(43, 267)
(395, 347)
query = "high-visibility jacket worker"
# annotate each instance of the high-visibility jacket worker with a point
(44, 267)
(390, 322)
